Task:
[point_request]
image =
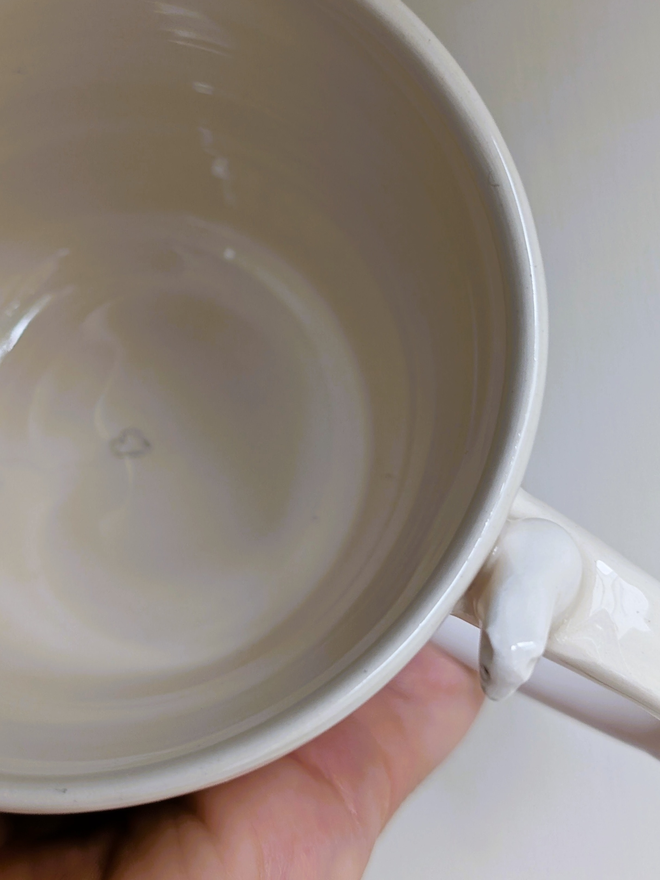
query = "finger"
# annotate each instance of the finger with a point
(420, 718)
(317, 813)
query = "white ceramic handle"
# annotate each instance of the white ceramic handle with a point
(565, 691)
(551, 588)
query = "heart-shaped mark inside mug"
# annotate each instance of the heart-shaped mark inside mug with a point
(131, 443)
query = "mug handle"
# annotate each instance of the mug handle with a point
(550, 588)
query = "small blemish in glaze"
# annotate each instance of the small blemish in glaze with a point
(131, 443)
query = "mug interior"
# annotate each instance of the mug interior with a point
(255, 339)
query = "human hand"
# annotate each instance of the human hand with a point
(313, 815)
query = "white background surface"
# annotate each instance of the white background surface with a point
(575, 87)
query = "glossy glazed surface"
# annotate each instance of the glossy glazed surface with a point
(184, 173)
(551, 588)
(573, 86)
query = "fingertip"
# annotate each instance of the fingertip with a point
(420, 717)
(436, 678)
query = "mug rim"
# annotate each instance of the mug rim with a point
(402, 32)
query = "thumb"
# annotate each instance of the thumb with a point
(318, 812)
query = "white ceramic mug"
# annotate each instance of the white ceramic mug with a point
(273, 342)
